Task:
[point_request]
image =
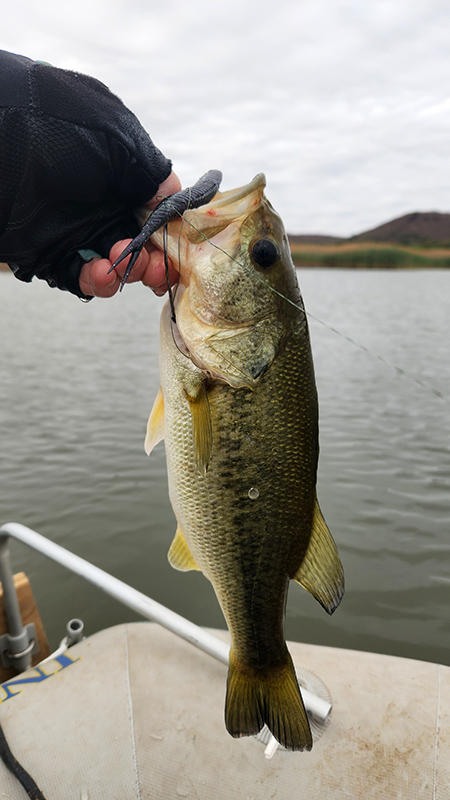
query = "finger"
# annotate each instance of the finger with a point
(155, 272)
(95, 280)
(171, 185)
(139, 266)
(149, 268)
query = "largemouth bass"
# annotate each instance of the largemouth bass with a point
(238, 410)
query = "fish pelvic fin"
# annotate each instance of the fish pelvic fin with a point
(179, 555)
(201, 426)
(321, 571)
(155, 424)
(256, 698)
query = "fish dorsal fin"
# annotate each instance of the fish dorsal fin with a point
(321, 570)
(201, 425)
(155, 424)
(179, 555)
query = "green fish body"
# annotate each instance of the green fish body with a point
(238, 410)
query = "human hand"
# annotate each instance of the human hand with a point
(102, 164)
(149, 268)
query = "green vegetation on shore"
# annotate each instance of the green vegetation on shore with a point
(369, 255)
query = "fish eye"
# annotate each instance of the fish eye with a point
(264, 253)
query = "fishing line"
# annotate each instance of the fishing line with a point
(172, 296)
(166, 269)
(246, 269)
(385, 361)
(399, 370)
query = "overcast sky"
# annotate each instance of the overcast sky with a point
(344, 105)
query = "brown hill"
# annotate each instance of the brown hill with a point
(430, 227)
(418, 228)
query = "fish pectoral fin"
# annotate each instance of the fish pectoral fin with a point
(201, 425)
(321, 570)
(179, 555)
(155, 424)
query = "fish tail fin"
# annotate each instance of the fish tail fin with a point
(272, 697)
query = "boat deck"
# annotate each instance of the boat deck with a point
(135, 712)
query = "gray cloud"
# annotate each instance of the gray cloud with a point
(345, 106)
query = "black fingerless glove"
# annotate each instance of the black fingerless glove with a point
(74, 163)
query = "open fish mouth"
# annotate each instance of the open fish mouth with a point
(180, 218)
(226, 207)
(223, 199)
(198, 224)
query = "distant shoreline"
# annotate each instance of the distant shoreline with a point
(369, 255)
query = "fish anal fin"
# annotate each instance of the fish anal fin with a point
(201, 425)
(179, 555)
(271, 697)
(155, 424)
(321, 570)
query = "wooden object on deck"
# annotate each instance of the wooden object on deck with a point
(29, 613)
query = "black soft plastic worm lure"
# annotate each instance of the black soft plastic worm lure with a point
(170, 208)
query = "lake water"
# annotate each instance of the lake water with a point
(78, 382)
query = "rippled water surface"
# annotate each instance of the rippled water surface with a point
(78, 382)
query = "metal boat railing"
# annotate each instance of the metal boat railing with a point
(18, 643)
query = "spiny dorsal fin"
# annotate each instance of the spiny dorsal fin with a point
(321, 570)
(179, 555)
(155, 424)
(201, 425)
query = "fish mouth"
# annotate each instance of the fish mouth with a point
(226, 207)
(222, 199)
(205, 222)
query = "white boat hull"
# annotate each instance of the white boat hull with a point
(135, 712)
